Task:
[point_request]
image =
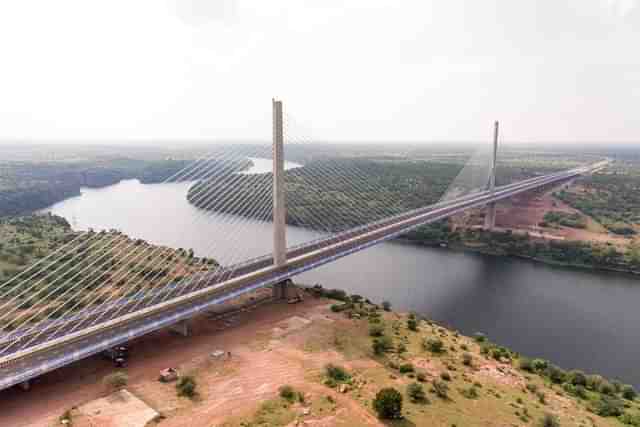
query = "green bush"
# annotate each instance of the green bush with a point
(532, 387)
(388, 404)
(287, 392)
(434, 345)
(421, 376)
(555, 374)
(337, 294)
(628, 392)
(630, 419)
(549, 420)
(406, 368)
(376, 330)
(386, 305)
(186, 386)
(445, 376)
(479, 337)
(467, 359)
(526, 364)
(401, 348)
(593, 382)
(470, 393)
(441, 389)
(606, 388)
(416, 392)
(608, 406)
(337, 373)
(576, 377)
(382, 345)
(540, 364)
(412, 324)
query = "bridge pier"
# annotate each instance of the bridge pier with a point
(284, 290)
(490, 215)
(180, 328)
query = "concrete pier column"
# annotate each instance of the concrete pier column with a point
(279, 207)
(490, 216)
(180, 328)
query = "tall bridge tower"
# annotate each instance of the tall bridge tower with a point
(279, 199)
(490, 216)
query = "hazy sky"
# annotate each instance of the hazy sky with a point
(550, 70)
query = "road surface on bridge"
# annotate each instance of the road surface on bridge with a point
(79, 339)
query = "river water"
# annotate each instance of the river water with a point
(577, 319)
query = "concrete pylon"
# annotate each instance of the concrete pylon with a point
(279, 206)
(490, 216)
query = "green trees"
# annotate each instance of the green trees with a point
(388, 404)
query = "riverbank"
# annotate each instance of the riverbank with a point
(443, 377)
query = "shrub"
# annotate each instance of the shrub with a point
(542, 398)
(576, 377)
(412, 324)
(479, 337)
(549, 420)
(470, 393)
(441, 389)
(186, 386)
(287, 392)
(526, 364)
(594, 381)
(406, 368)
(421, 376)
(540, 364)
(555, 374)
(416, 392)
(532, 387)
(606, 388)
(628, 392)
(630, 419)
(467, 359)
(376, 330)
(445, 376)
(388, 403)
(608, 406)
(337, 294)
(401, 348)
(576, 390)
(386, 305)
(434, 345)
(337, 373)
(382, 345)
(116, 381)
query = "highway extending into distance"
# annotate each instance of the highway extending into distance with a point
(79, 338)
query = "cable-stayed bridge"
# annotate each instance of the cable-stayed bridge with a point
(75, 311)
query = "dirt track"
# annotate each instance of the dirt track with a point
(58, 391)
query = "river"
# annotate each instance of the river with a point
(577, 319)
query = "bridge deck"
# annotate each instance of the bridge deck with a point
(79, 339)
